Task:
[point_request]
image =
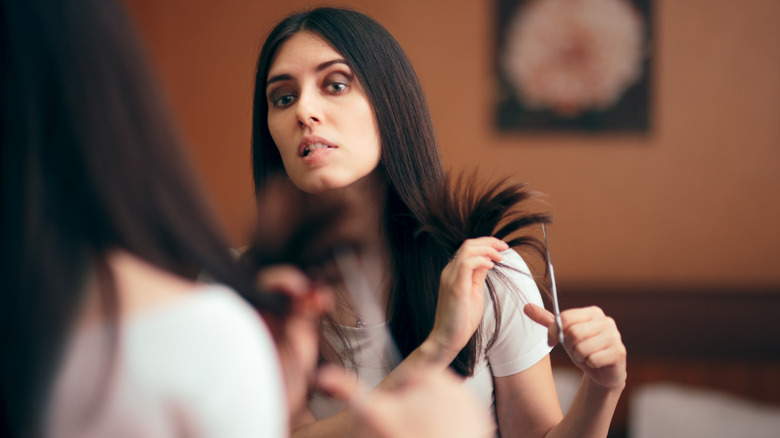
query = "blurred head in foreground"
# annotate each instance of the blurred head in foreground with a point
(91, 164)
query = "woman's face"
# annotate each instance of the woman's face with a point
(319, 116)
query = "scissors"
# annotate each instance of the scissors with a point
(556, 308)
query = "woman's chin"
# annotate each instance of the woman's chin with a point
(320, 186)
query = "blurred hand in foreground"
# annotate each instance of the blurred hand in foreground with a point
(296, 334)
(430, 404)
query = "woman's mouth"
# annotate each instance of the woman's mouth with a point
(311, 148)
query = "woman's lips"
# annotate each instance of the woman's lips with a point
(313, 148)
(316, 153)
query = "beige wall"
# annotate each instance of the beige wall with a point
(697, 201)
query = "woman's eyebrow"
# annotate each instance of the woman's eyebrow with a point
(277, 78)
(327, 64)
(319, 68)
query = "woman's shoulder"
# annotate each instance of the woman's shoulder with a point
(190, 354)
(519, 342)
(209, 311)
(513, 273)
(515, 261)
(209, 343)
(514, 286)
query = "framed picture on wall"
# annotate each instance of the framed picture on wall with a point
(573, 65)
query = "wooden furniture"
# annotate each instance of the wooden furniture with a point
(720, 338)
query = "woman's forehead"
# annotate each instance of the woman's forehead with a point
(302, 49)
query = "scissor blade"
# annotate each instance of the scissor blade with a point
(553, 288)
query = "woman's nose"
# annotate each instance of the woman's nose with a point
(308, 110)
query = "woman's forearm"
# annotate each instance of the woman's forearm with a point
(428, 356)
(338, 425)
(591, 412)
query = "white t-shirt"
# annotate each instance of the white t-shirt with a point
(203, 365)
(519, 344)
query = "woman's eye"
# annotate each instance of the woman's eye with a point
(283, 101)
(337, 87)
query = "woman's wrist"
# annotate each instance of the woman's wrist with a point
(597, 390)
(429, 356)
(435, 353)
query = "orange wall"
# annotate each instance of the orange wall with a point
(697, 201)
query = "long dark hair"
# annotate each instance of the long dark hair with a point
(90, 163)
(410, 162)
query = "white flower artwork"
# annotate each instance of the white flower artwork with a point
(572, 57)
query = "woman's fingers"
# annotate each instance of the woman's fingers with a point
(296, 334)
(585, 338)
(339, 383)
(591, 338)
(461, 298)
(309, 299)
(608, 357)
(471, 262)
(582, 314)
(539, 315)
(468, 265)
(429, 404)
(489, 247)
(287, 279)
(594, 344)
(544, 317)
(582, 349)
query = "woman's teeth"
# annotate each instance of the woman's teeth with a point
(312, 147)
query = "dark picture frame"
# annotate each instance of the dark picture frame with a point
(630, 113)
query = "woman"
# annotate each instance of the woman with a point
(103, 329)
(338, 107)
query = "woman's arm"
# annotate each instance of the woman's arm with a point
(427, 357)
(526, 402)
(458, 314)
(427, 404)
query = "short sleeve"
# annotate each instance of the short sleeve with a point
(218, 372)
(203, 365)
(520, 342)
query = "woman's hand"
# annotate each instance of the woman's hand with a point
(297, 333)
(461, 295)
(591, 339)
(428, 403)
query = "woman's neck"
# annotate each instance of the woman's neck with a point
(138, 285)
(366, 221)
